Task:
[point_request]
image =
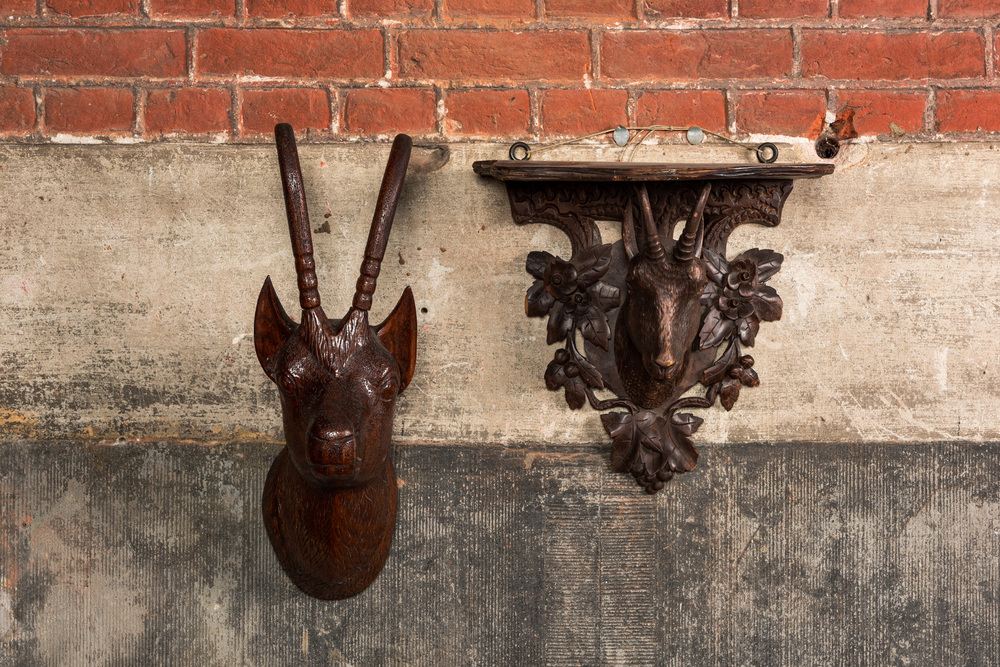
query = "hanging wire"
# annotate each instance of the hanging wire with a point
(632, 137)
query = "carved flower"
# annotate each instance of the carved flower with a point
(737, 297)
(574, 375)
(572, 295)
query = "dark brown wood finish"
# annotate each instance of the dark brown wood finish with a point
(330, 499)
(530, 170)
(654, 314)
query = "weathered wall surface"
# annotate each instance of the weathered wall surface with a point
(130, 277)
(768, 555)
(847, 511)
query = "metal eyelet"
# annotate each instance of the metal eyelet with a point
(519, 148)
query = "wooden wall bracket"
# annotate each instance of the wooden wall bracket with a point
(653, 316)
(330, 498)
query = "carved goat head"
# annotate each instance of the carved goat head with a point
(338, 379)
(661, 314)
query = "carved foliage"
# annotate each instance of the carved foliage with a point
(651, 445)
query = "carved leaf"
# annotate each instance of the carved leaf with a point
(560, 324)
(623, 447)
(681, 455)
(748, 328)
(589, 373)
(595, 328)
(576, 394)
(717, 371)
(594, 263)
(687, 423)
(537, 262)
(728, 393)
(538, 302)
(715, 330)
(766, 303)
(605, 296)
(768, 262)
(555, 375)
(648, 435)
(716, 266)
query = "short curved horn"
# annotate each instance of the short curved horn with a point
(689, 244)
(298, 215)
(652, 247)
(385, 211)
(628, 233)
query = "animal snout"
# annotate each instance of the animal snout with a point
(332, 447)
(663, 371)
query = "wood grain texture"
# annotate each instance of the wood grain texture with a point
(553, 170)
(780, 554)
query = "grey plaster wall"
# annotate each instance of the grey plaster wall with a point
(847, 511)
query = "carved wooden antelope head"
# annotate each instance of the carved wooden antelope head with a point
(330, 498)
(661, 314)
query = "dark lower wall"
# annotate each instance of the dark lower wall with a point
(766, 555)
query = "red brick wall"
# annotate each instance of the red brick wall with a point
(457, 69)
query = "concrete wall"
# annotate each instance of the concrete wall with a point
(845, 512)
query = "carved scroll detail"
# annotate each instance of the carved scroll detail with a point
(582, 297)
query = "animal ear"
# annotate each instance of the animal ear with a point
(399, 335)
(271, 327)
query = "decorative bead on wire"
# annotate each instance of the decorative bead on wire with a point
(630, 138)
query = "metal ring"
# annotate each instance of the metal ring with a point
(767, 146)
(519, 146)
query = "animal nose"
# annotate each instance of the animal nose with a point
(664, 372)
(332, 446)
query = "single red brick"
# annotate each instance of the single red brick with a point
(389, 110)
(705, 108)
(968, 111)
(93, 7)
(387, 8)
(17, 110)
(281, 8)
(884, 8)
(125, 53)
(192, 8)
(191, 110)
(491, 8)
(971, 9)
(311, 54)
(89, 110)
(574, 112)
(618, 10)
(488, 113)
(303, 108)
(659, 55)
(773, 9)
(18, 7)
(875, 109)
(698, 9)
(481, 55)
(837, 54)
(795, 112)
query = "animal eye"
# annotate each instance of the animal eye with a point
(388, 390)
(288, 383)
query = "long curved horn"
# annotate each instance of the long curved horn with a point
(689, 244)
(385, 211)
(298, 215)
(652, 247)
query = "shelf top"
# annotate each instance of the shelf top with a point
(530, 170)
